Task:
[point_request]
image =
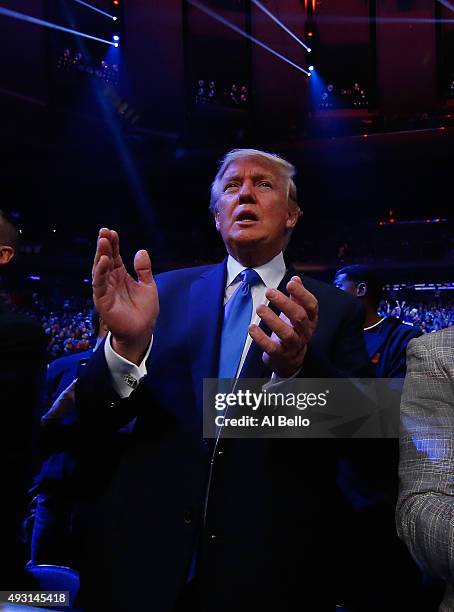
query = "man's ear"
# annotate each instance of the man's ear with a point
(6, 254)
(294, 213)
(361, 290)
(216, 220)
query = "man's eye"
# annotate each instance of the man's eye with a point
(265, 184)
(230, 186)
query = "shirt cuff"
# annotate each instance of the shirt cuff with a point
(276, 380)
(126, 375)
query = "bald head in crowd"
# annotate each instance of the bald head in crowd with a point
(9, 239)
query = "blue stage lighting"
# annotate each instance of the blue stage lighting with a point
(94, 8)
(279, 23)
(232, 26)
(311, 68)
(46, 24)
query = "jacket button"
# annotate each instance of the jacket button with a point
(188, 517)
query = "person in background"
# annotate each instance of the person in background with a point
(22, 370)
(425, 508)
(386, 337)
(389, 580)
(50, 518)
(61, 372)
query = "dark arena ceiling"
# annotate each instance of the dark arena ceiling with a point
(130, 136)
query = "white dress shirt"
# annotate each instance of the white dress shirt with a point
(126, 375)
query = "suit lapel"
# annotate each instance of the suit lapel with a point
(253, 366)
(205, 320)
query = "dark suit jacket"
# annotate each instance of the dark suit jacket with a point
(271, 510)
(22, 369)
(62, 372)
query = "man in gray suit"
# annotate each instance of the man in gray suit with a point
(425, 509)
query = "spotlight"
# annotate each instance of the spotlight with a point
(116, 38)
(115, 45)
(311, 68)
(309, 49)
(115, 18)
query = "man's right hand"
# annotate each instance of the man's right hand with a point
(128, 307)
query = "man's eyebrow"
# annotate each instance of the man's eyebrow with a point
(256, 177)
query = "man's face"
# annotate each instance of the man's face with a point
(253, 212)
(345, 284)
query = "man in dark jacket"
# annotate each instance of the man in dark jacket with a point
(172, 521)
(22, 369)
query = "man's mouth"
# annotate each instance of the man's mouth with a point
(246, 216)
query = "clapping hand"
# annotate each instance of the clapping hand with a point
(284, 351)
(128, 307)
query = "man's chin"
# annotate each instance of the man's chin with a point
(246, 236)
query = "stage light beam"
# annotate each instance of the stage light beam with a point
(279, 23)
(54, 26)
(446, 4)
(238, 30)
(95, 8)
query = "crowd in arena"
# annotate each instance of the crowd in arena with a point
(69, 328)
(428, 316)
(67, 325)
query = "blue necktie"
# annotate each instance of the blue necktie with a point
(237, 318)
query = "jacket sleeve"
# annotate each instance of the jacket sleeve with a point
(425, 508)
(98, 406)
(348, 357)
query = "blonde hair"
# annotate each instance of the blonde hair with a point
(284, 168)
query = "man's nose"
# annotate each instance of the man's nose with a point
(246, 193)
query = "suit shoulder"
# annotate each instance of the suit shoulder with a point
(443, 339)
(402, 331)
(182, 275)
(8, 317)
(20, 325)
(65, 362)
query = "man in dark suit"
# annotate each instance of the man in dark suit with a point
(51, 507)
(22, 368)
(172, 521)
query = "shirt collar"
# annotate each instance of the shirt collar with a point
(271, 273)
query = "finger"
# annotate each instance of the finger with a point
(100, 276)
(305, 298)
(115, 242)
(291, 308)
(282, 328)
(103, 246)
(103, 250)
(142, 266)
(267, 345)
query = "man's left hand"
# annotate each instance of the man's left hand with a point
(284, 351)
